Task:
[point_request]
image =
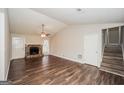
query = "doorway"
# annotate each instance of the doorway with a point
(18, 47)
(114, 36)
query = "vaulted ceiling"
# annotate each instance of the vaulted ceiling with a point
(27, 21)
(84, 15)
(24, 20)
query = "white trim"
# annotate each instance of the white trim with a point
(101, 56)
(122, 51)
(119, 35)
(7, 71)
(103, 50)
(68, 59)
(111, 72)
(105, 42)
(17, 58)
(107, 37)
(76, 61)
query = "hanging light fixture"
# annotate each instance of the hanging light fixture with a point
(43, 34)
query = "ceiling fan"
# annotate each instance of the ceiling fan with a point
(43, 33)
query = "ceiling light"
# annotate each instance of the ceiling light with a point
(79, 9)
(43, 34)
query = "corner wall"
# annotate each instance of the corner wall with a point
(29, 39)
(68, 43)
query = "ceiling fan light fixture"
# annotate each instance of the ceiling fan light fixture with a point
(43, 34)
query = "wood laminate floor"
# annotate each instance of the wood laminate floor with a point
(58, 71)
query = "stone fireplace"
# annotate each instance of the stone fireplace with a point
(32, 51)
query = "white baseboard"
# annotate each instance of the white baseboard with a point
(68, 58)
(78, 61)
(17, 58)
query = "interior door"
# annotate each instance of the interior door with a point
(90, 49)
(113, 36)
(18, 47)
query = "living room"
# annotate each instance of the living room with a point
(57, 47)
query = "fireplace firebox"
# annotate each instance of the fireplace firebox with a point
(33, 51)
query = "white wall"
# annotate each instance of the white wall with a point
(5, 42)
(29, 39)
(2, 45)
(69, 42)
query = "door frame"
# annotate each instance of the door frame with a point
(108, 43)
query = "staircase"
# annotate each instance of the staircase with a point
(113, 60)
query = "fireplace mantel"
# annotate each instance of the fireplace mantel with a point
(27, 51)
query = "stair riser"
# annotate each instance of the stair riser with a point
(113, 61)
(113, 58)
(113, 66)
(110, 51)
(113, 55)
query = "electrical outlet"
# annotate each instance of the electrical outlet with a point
(79, 56)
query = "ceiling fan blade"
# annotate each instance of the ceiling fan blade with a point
(48, 34)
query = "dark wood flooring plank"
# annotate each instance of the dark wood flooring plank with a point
(52, 70)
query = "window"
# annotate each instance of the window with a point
(46, 47)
